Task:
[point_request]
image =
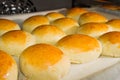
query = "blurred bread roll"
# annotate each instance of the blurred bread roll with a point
(8, 67)
(54, 15)
(15, 41)
(111, 7)
(44, 62)
(68, 25)
(114, 24)
(32, 22)
(48, 34)
(7, 25)
(93, 29)
(92, 17)
(75, 12)
(80, 48)
(111, 44)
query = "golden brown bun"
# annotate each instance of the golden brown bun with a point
(114, 24)
(68, 25)
(111, 44)
(7, 25)
(54, 15)
(15, 41)
(93, 29)
(8, 67)
(75, 12)
(92, 17)
(32, 22)
(80, 48)
(48, 34)
(44, 62)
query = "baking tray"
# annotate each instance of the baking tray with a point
(77, 71)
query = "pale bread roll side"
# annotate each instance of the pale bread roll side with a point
(68, 25)
(54, 15)
(80, 48)
(8, 67)
(111, 44)
(92, 17)
(8, 25)
(94, 29)
(15, 41)
(48, 34)
(114, 24)
(75, 12)
(32, 22)
(44, 62)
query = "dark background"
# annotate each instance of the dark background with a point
(9, 7)
(50, 4)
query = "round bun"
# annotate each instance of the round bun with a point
(114, 24)
(32, 22)
(111, 44)
(45, 62)
(48, 34)
(80, 48)
(8, 67)
(93, 29)
(68, 25)
(75, 12)
(15, 41)
(54, 15)
(7, 25)
(92, 17)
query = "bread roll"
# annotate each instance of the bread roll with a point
(8, 67)
(80, 48)
(15, 41)
(32, 22)
(111, 44)
(44, 62)
(48, 34)
(114, 24)
(75, 12)
(7, 25)
(111, 7)
(68, 25)
(93, 29)
(54, 15)
(92, 17)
